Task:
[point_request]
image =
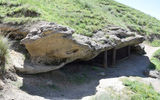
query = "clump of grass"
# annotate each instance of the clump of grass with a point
(155, 43)
(155, 61)
(141, 91)
(4, 46)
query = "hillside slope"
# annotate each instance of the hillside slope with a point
(85, 16)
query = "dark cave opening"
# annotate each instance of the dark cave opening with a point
(107, 58)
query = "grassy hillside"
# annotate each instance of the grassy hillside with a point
(85, 16)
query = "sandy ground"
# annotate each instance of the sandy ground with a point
(150, 50)
(74, 82)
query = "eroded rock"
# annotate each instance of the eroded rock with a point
(139, 49)
(154, 74)
(1, 85)
(51, 46)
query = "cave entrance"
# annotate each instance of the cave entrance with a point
(110, 57)
(123, 53)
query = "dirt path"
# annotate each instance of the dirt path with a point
(150, 50)
(73, 84)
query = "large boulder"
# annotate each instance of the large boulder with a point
(1, 85)
(49, 43)
(51, 46)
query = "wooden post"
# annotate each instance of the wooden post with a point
(114, 57)
(105, 60)
(129, 51)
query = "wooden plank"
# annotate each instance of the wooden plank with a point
(129, 51)
(114, 57)
(105, 60)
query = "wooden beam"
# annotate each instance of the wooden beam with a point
(129, 51)
(114, 57)
(105, 60)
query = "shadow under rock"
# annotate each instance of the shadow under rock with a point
(76, 80)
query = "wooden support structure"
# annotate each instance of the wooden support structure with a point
(105, 60)
(129, 51)
(114, 57)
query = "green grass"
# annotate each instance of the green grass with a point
(155, 61)
(155, 43)
(141, 91)
(85, 16)
(4, 46)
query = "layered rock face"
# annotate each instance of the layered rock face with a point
(51, 46)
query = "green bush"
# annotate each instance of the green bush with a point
(155, 60)
(155, 43)
(4, 46)
(141, 91)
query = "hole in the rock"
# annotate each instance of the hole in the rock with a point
(64, 29)
(98, 61)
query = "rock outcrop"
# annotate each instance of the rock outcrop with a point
(13, 31)
(54, 45)
(51, 46)
(1, 85)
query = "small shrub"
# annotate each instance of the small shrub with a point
(4, 46)
(155, 43)
(155, 60)
(141, 91)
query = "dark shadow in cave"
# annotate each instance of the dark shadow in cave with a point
(79, 79)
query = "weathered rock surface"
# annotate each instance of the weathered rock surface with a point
(1, 85)
(153, 74)
(14, 31)
(51, 46)
(114, 89)
(54, 45)
(139, 49)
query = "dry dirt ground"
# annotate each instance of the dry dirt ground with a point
(75, 81)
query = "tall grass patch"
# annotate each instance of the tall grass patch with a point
(4, 46)
(155, 43)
